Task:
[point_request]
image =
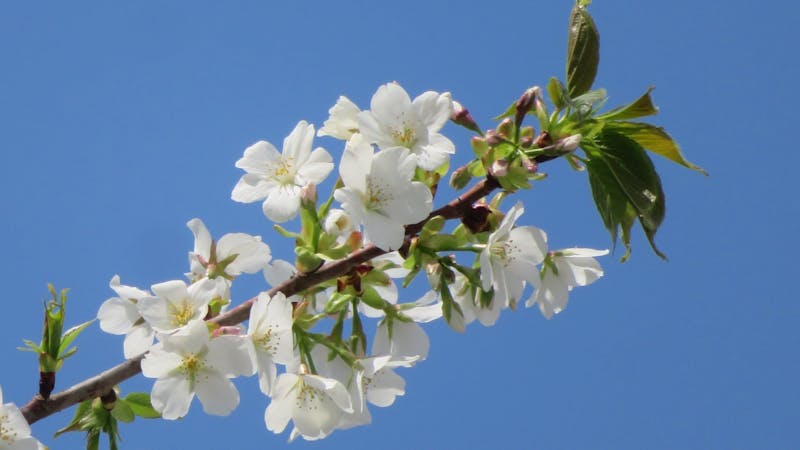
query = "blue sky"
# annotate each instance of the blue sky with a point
(119, 123)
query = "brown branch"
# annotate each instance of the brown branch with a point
(39, 408)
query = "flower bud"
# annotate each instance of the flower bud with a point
(460, 177)
(525, 103)
(505, 128)
(493, 139)
(461, 116)
(338, 223)
(569, 143)
(308, 195)
(530, 166)
(499, 168)
(543, 140)
(479, 146)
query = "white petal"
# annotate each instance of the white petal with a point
(433, 109)
(171, 396)
(356, 163)
(174, 290)
(282, 204)
(130, 292)
(343, 120)
(382, 231)
(229, 356)
(316, 168)
(279, 412)
(257, 157)
(389, 103)
(202, 238)
(138, 340)
(384, 386)
(217, 394)
(297, 145)
(252, 254)
(158, 363)
(117, 316)
(251, 188)
(278, 271)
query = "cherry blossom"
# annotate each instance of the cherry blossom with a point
(270, 337)
(563, 270)
(395, 121)
(343, 120)
(379, 192)
(278, 178)
(189, 362)
(15, 433)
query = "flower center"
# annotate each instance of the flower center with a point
(267, 341)
(378, 194)
(181, 313)
(309, 398)
(503, 252)
(406, 136)
(282, 171)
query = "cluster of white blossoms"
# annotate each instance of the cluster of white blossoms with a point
(321, 382)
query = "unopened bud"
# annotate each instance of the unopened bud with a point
(505, 128)
(460, 177)
(525, 103)
(493, 139)
(529, 165)
(308, 195)
(526, 141)
(338, 223)
(461, 116)
(476, 217)
(479, 146)
(499, 168)
(569, 143)
(543, 140)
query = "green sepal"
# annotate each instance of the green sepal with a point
(338, 302)
(286, 233)
(431, 227)
(583, 50)
(451, 311)
(306, 260)
(641, 107)
(139, 402)
(370, 297)
(654, 139)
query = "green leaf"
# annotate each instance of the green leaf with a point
(590, 101)
(583, 51)
(634, 176)
(71, 334)
(122, 411)
(611, 202)
(80, 417)
(139, 402)
(641, 107)
(558, 93)
(655, 139)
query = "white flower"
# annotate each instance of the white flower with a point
(188, 363)
(120, 315)
(174, 305)
(224, 260)
(314, 403)
(395, 121)
(510, 258)
(401, 337)
(270, 336)
(379, 192)
(563, 270)
(15, 433)
(343, 120)
(469, 299)
(278, 178)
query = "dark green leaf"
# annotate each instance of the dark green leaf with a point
(621, 173)
(641, 107)
(656, 140)
(583, 51)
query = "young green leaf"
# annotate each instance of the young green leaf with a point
(139, 402)
(583, 51)
(656, 140)
(641, 107)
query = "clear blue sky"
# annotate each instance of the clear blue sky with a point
(120, 123)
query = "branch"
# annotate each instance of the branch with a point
(39, 408)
